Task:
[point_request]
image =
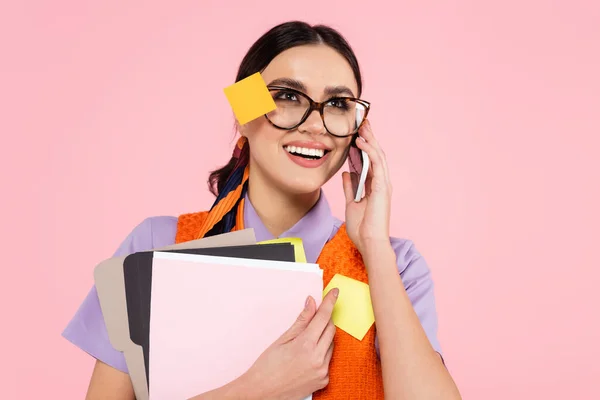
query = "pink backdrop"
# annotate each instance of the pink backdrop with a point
(489, 113)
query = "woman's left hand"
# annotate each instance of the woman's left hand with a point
(367, 222)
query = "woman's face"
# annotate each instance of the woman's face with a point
(318, 71)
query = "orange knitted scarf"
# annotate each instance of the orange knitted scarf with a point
(355, 370)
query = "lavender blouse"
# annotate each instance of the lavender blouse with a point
(87, 330)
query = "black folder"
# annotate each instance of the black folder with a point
(137, 273)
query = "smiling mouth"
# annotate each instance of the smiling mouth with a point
(304, 152)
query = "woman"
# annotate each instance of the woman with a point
(273, 184)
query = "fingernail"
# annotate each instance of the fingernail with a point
(307, 302)
(336, 292)
(361, 138)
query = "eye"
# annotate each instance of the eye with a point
(286, 96)
(341, 104)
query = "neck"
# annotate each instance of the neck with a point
(277, 210)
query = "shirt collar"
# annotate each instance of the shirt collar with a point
(315, 228)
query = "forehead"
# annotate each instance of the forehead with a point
(316, 66)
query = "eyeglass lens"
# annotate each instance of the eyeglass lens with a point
(341, 117)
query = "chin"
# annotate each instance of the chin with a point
(301, 187)
(291, 179)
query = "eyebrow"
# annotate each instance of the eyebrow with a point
(296, 84)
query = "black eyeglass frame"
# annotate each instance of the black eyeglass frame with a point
(319, 106)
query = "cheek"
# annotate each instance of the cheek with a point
(341, 156)
(263, 133)
(265, 142)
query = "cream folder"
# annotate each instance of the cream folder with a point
(110, 285)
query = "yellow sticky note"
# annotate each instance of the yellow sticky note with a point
(353, 310)
(299, 254)
(250, 98)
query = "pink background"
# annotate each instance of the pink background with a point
(113, 111)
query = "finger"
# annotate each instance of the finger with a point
(377, 175)
(326, 338)
(321, 318)
(350, 183)
(329, 354)
(301, 322)
(366, 133)
(368, 184)
(377, 166)
(354, 178)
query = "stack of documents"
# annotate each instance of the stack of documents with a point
(192, 317)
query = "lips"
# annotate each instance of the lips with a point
(307, 149)
(314, 159)
(307, 154)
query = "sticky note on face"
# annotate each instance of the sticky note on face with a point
(250, 98)
(353, 310)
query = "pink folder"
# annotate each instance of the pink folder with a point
(212, 317)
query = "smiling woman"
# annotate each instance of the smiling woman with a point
(273, 184)
(293, 81)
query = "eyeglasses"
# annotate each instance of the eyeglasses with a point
(342, 116)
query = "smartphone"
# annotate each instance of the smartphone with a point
(358, 162)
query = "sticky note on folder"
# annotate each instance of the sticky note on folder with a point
(250, 98)
(353, 310)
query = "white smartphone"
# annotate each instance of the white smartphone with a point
(358, 162)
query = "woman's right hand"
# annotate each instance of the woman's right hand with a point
(297, 364)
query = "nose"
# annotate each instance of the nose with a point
(313, 124)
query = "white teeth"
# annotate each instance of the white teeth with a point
(305, 151)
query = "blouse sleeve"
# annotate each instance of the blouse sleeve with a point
(87, 329)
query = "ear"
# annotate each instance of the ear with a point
(240, 128)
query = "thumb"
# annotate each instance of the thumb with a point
(301, 322)
(348, 186)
